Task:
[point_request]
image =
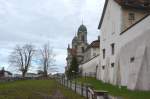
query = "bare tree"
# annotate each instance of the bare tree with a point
(47, 60)
(21, 57)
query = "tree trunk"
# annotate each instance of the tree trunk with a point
(23, 74)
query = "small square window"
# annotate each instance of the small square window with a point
(103, 67)
(132, 59)
(112, 65)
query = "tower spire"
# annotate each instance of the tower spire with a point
(82, 20)
(68, 46)
(75, 33)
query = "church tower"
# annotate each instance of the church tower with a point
(79, 44)
(82, 42)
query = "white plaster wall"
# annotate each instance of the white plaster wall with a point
(90, 66)
(132, 44)
(96, 51)
(110, 30)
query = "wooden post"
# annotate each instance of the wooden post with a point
(62, 80)
(82, 89)
(87, 92)
(85, 76)
(70, 84)
(75, 86)
(67, 84)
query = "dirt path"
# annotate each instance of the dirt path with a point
(55, 95)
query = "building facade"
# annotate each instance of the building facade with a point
(92, 50)
(87, 54)
(122, 23)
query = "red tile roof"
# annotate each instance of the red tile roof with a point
(94, 44)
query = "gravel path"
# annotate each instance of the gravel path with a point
(55, 95)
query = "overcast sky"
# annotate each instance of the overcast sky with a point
(39, 21)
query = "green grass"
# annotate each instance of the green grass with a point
(115, 90)
(30, 88)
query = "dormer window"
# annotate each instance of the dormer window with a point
(131, 16)
(103, 67)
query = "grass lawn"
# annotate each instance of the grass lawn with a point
(114, 90)
(28, 89)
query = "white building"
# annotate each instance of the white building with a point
(125, 43)
(92, 50)
(4, 74)
(31, 75)
(91, 59)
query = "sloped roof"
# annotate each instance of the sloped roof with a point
(94, 44)
(136, 4)
(3, 71)
(82, 28)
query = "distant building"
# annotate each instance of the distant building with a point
(31, 75)
(4, 73)
(92, 50)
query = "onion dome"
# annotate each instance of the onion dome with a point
(74, 39)
(82, 28)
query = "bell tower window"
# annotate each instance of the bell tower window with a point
(82, 49)
(83, 38)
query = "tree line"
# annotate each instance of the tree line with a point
(21, 58)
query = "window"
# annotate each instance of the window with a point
(83, 38)
(112, 65)
(103, 67)
(103, 53)
(76, 46)
(82, 49)
(112, 48)
(94, 54)
(131, 16)
(132, 59)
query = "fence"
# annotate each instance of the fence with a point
(9, 79)
(83, 89)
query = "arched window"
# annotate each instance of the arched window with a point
(83, 38)
(82, 49)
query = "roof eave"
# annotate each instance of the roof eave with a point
(103, 14)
